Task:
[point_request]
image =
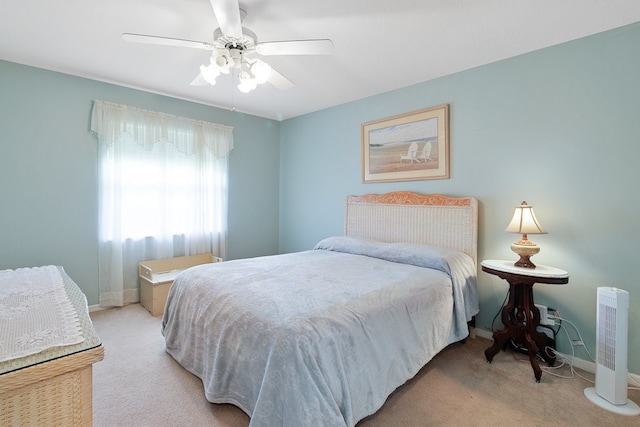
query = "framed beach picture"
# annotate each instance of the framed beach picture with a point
(407, 147)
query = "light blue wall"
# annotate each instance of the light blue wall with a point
(48, 171)
(558, 128)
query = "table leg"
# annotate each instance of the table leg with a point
(510, 330)
(531, 319)
(542, 342)
(531, 347)
(521, 318)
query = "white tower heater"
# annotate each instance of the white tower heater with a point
(612, 318)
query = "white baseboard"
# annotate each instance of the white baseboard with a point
(483, 333)
(634, 380)
(96, 307)
(586, 365)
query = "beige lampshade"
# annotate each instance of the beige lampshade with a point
(524, 221)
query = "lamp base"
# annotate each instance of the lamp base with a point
(526, 249)
(524, 262)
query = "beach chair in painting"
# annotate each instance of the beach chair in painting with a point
(425, 154)
(411, 154)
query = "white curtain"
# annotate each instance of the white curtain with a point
(162, 192)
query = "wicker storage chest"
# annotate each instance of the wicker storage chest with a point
(156, 277)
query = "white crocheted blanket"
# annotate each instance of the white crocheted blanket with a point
(35, 312)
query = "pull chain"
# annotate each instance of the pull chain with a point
(233, 82)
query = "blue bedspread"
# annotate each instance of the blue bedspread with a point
(321, 337)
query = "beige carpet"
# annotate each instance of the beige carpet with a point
(138, 384)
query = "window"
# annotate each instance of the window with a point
(162, 192)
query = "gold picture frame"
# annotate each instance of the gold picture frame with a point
(407, 147)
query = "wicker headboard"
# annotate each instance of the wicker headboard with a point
(404, 216)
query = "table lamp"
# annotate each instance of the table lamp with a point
(524, 222)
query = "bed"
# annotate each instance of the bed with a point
(322, 337)
(51, 384)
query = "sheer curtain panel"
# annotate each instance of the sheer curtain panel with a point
(162, 192)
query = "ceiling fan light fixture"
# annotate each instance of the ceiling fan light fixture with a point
(260, 70)
(247, 84)
(235, 57)
(209, 73)
(223, 61)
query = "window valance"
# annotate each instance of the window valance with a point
(110, 122)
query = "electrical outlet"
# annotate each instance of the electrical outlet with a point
(543, 313)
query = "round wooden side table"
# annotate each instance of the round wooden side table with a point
(520, 315)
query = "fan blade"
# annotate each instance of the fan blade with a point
(199, 81)
(166, 41)
(228, 16)
(279, 81)
(296, 47)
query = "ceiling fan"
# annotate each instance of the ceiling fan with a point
(232, 49)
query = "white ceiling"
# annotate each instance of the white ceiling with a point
(380, 45)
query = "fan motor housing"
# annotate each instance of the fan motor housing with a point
(248, 41)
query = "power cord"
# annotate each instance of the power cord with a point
(493, 329)
(562, 357)
(550, 351)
